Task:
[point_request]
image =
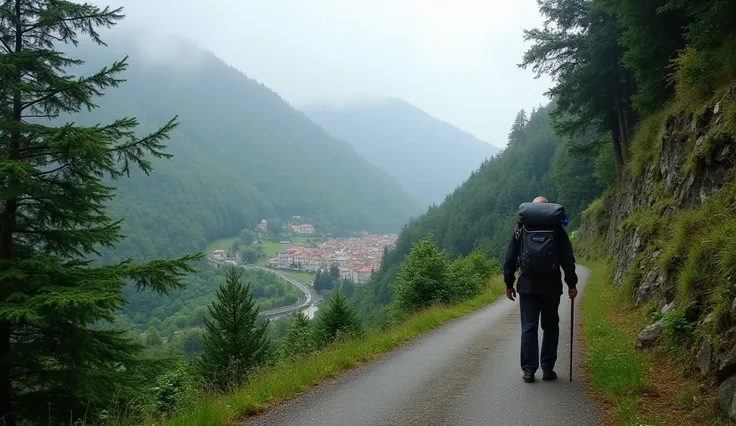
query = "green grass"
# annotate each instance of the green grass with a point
(287, 380)
(610, 357)
(270, 248)
(640, 387)
(223, 243)
(647, 141)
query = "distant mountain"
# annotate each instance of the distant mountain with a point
(241, 154)
(427, 156)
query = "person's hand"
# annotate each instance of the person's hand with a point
(511, 293)
(572, 292)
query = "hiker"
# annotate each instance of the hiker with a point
(539, 247)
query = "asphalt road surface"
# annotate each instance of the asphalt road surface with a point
(464, 373)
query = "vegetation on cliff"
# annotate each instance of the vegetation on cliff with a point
(668, 224)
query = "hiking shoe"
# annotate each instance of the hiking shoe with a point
(549, 375)
(529, 376)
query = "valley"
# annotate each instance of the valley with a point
(181, 246)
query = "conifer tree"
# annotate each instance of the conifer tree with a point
(338, 318)
(234, 342)
(517, 129)
(53, 194)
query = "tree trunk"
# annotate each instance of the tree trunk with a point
(617, 154)
(622, 85)
(623, 135)
(7, 228)
(6, 411)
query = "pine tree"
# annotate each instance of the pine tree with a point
(517, 129)
(53, 366)
(234, 342)
(338, 319)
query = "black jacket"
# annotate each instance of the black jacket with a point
(547, 286)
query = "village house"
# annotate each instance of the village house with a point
(219, 255)
(305, 229)
(346, 273)
(361, 274)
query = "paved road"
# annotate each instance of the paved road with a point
(309, 295)
(465, 373)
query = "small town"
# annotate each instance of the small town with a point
(356, 258)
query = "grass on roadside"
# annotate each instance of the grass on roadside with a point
(638, 387)
(289, 379)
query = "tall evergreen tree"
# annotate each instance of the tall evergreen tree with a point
(517, 129)
(53, 366)
(579, 47)
(234, 342)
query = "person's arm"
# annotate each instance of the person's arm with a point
(567, 259)
(510, 262)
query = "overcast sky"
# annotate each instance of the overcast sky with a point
(455, 59)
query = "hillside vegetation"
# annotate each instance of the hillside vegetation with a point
(657, 78)
(480, 214)
(408, 143)
(241, 154)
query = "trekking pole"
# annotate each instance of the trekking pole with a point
(572, 330)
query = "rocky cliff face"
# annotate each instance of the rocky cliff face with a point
(668, 227)
(695, 161)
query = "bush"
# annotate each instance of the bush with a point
(299, 339)
(677, 327)
(465, 278)
(422, 280)
(172, 388)
(698, 74)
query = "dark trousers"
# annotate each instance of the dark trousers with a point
(532, 306)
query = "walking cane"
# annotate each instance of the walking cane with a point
(572, 328)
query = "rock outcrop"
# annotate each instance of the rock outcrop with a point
(692, 166)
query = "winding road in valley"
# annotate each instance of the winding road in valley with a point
(308, 298)
(464, 373)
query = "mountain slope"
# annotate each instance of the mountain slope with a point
(241, 154)
(428, 157)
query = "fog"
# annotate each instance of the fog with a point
(457, 60)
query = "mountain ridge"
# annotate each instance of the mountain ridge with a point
(406, 141)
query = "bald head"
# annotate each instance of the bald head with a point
(540, 200)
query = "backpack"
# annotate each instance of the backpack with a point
(538, 224)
